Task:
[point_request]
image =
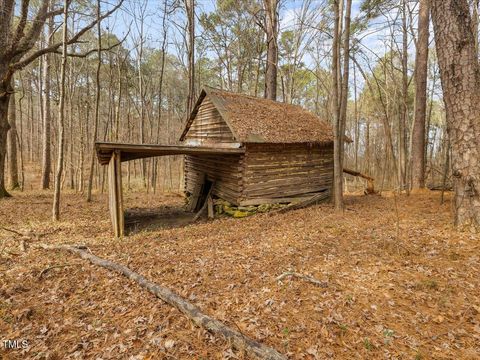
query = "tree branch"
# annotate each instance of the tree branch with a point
(23, 21)
(91, 51)
(53, 48)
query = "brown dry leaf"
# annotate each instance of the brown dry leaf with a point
(388, 296)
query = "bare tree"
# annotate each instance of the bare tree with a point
(337, 169)
(340, 96)
(421, 70)
(97, 103)
(271, 29)
(61, 116)
(12, 145)
(403, 118)
(16, 44)
(47, 116)
(190, 9)
(460, 75)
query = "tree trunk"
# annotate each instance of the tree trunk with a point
(190, 8)
(12, 145)
(337, 168)
(97, 105)
(460, 75)
(4, 127)
(421, 69)
(61, 116)
(271, 27)
(47, 118)
(345, 77)
(403, 118)
(476, 16)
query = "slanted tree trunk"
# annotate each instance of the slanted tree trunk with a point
(12, 145)
(460, 75)
(421, 69)
(61, 117)
(271, 29)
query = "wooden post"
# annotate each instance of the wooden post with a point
(211, 213)
(115, 194)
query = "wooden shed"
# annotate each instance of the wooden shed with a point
(288, 151)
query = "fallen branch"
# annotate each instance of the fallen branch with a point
(370, 181)
(13, 231)
(25, 236)
(304, 203)
(322, 284)
(47, 269)
(237, 339)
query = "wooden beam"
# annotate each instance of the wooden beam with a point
(139, 151)
(370, 180)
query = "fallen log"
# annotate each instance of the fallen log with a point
(237, 339)
(370, 181)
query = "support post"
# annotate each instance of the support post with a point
(115, 194)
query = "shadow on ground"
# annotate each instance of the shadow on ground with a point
(151, 219)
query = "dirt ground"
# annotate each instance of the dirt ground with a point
(401, 282)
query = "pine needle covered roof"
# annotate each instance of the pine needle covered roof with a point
(256, 120)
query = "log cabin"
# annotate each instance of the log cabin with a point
(239, 148)
(287, 151)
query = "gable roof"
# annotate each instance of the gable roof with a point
(256, 120)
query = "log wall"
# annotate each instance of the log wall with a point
(285, 173)
(225, 170)
(208, 127)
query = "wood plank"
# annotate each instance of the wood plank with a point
(283, 183)
(260, 201)
(195, 196)
(211, 213)
(285, 191)
(315, 199)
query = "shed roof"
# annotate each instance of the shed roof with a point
(140, 151)
(256, 120)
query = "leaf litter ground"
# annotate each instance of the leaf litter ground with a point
(400, 284)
